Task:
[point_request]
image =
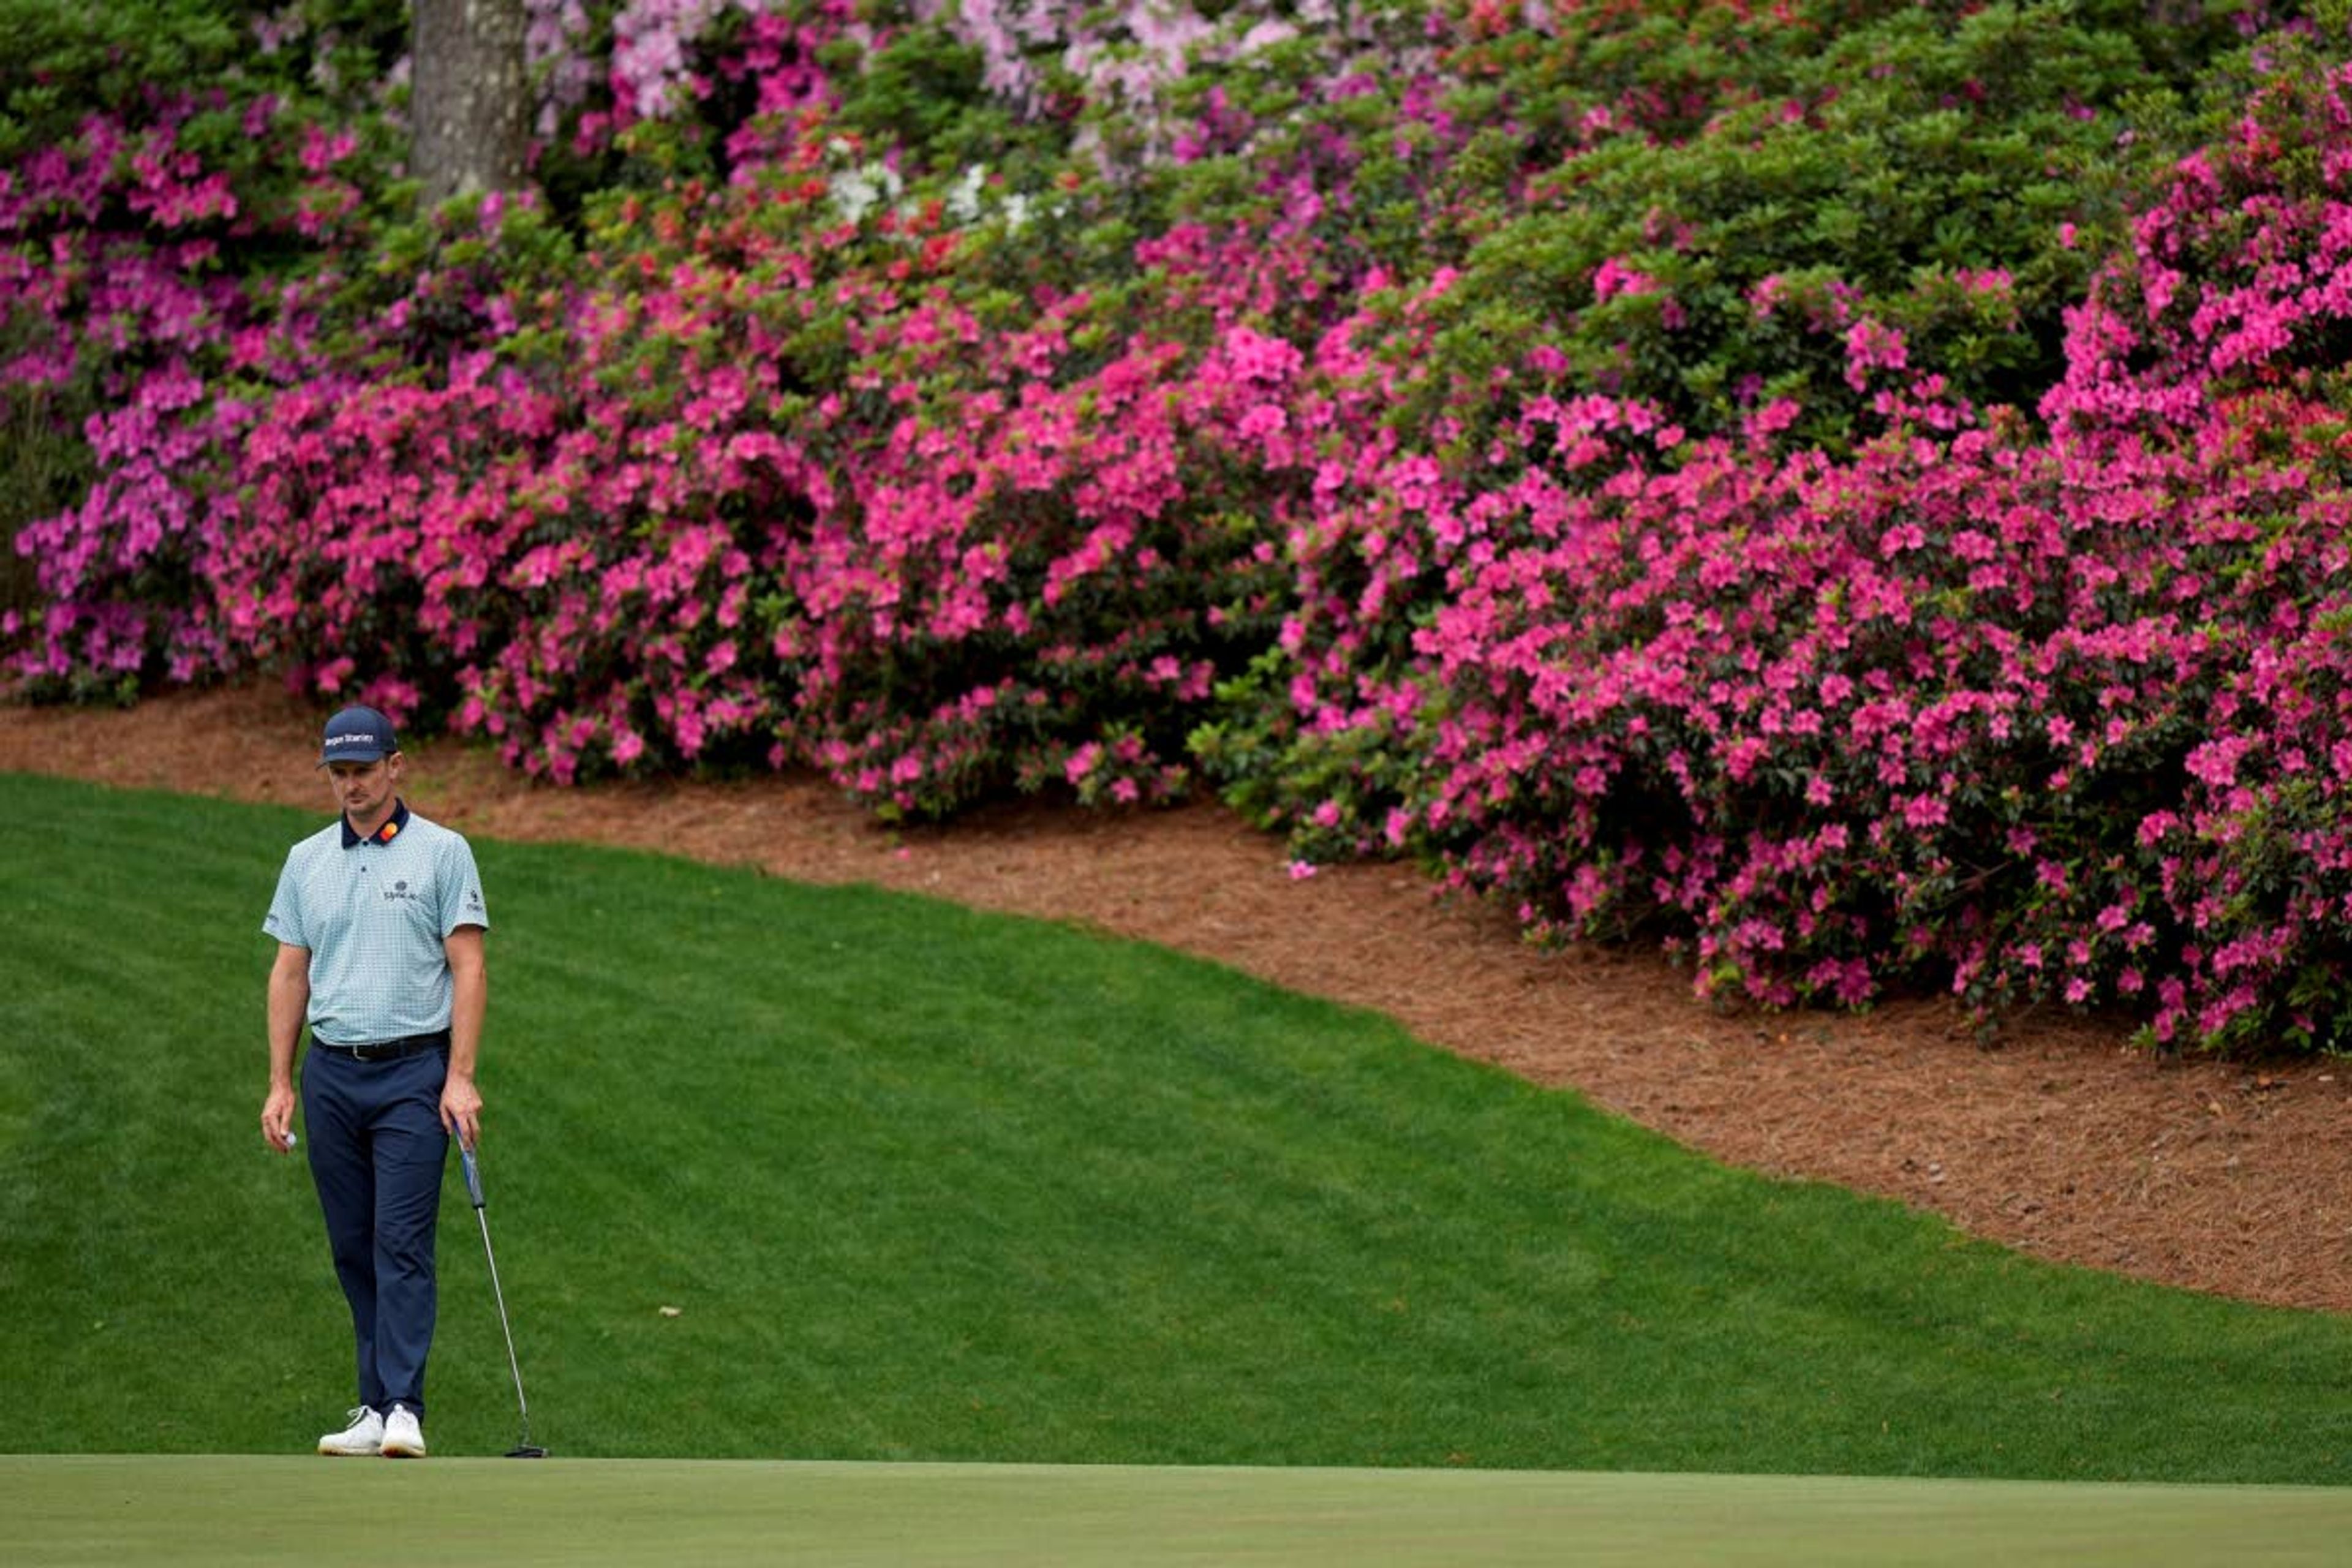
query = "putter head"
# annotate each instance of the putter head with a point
(526, 1451)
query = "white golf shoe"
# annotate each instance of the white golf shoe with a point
(364, 1436)
(403, 1439)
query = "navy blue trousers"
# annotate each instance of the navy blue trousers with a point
(377, 1149)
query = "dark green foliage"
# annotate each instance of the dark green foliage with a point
(66, 61)
(1872, 167)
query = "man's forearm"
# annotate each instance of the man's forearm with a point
(470, 1004)
(290, 1000)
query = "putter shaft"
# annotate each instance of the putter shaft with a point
(474, 1191)
(513, 1364)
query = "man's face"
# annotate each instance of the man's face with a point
(365, 790)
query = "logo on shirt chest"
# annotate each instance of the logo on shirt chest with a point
(402, 891)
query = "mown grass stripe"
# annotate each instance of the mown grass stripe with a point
(924, 1184)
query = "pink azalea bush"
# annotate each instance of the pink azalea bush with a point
(2049, 718)
(146, 247)
(1432, 447)
(611, 526)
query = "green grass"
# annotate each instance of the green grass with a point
(131, 1512)
(928, 1185)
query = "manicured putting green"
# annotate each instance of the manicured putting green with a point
(127, 1511)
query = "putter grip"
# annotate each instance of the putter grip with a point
(473, 1176)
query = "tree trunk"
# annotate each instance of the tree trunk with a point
(470, 105)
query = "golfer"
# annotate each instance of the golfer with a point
(379, 922)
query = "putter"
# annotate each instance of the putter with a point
(524, 1449)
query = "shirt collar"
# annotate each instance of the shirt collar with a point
(394, 825)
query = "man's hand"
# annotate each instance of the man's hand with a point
(461, 1109)
(277, 1119)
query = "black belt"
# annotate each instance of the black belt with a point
(389, 1050)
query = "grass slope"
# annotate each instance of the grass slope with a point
(926, 1184)
(128, 1512)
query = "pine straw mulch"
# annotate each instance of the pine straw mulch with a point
(2061, 1140)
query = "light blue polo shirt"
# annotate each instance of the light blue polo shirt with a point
(373, 913)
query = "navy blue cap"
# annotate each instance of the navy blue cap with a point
(357, 735)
